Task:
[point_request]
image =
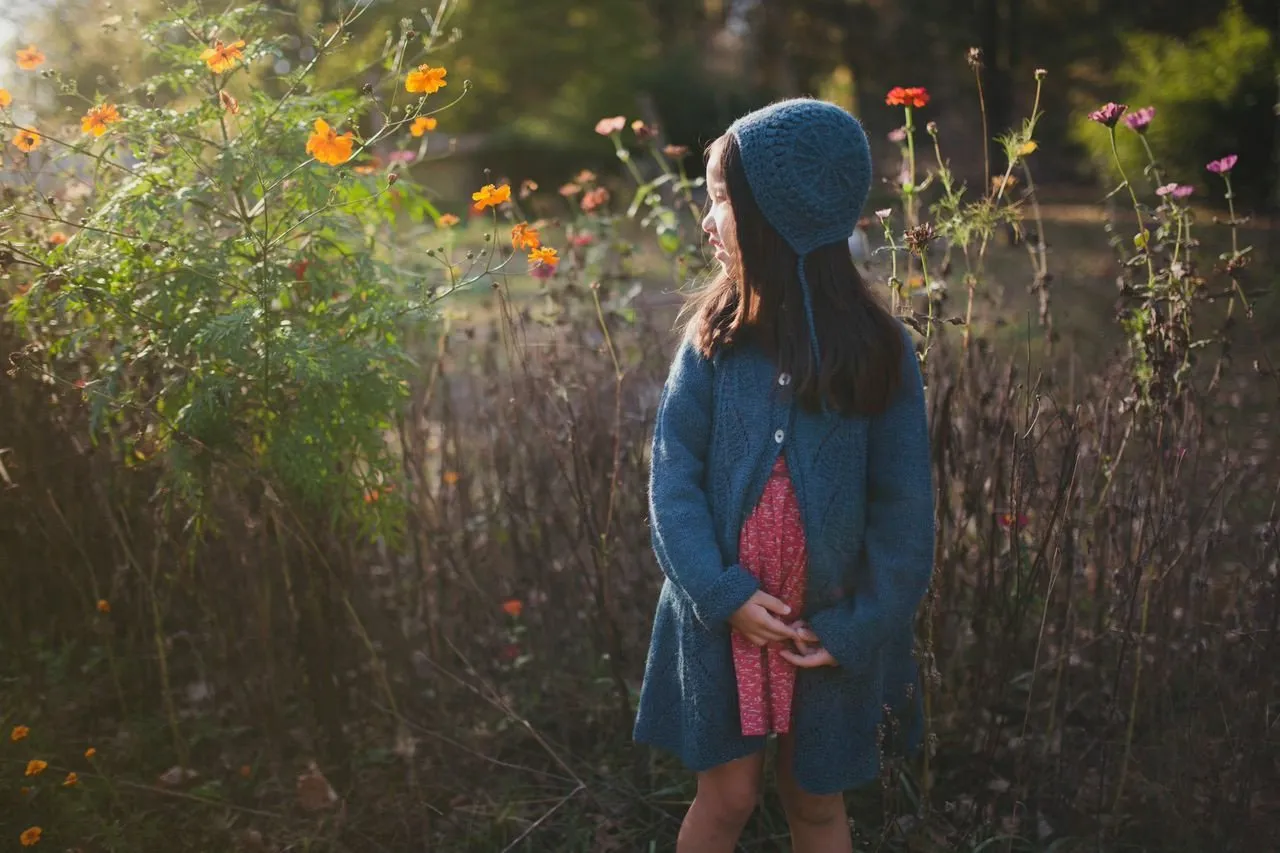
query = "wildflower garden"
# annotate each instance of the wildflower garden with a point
(324, 435)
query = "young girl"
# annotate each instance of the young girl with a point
(791, 500)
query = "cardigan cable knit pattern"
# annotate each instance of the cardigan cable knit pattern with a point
(866, 499)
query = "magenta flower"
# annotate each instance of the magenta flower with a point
(1178, 191)
(542, 271)
(1139, 119)
(1221, 167)
(1108, 114)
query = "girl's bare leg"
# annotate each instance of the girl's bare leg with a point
(818, 822)
(727, 795)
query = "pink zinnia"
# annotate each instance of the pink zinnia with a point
(542, 271)
(1178, 191)
(1108, 114)
(1221, 167)
(1139, 119)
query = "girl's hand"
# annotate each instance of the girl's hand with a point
(812, 658)
(756, 621)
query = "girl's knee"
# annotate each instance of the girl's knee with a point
(730, 797)
(813, 809)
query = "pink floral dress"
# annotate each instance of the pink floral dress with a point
(772, 548)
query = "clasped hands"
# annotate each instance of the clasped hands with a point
(758, 620)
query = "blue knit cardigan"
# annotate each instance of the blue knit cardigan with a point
(866, 498)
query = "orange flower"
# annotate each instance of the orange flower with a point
(915, 96)
(35, 767)
(447, 220)
(491, 196)
(57, 238)
(104, 606)
(223, 57)
(71, 780)
(5, 98)
(30, 836)
(327, 146)
(30, 58)
(422, 124)
(547, 256)
(19, 733)
(425, 80)
(525, 236)
(450, 478)
(594, 199)
(90, 753)
(570, 190)
(96, 120)
(229, 103)
(374, 164)
(513, 607)
(27, 140)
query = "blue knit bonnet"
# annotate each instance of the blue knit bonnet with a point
(809, 166)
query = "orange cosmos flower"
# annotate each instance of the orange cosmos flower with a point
(491, 196)
(513, 607)
(327, 146)
(447, 220)
(422, 124)
(35, 767)
(90, 753)
(19, 733)
(546, 256)
(30, 836)
(450, 478)
(914, 96)
(104, 606)
(71, 780)
(57, 238)
(425, 80)
(30, 58)
(229, 103)
(5, 98)
(524, 236)
(223, 57)
(27, 140)
(97, 119)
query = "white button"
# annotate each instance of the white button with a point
(784, 379)
(778, 436)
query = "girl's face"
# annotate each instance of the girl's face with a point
(718, 223)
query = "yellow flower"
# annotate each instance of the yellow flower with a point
(1028, 147)
(19, 733)
(104, 606)
(30, 836)
(223, 57)
(327, 146)
(30, 58)
(90, 753)
(525, 236)
(425, 80)
(27, 140)
(5, 98)
(491, 196)
(549, 257)
(35, 767)
(447, 220)
(422, 124)
(72, 779)
(96, 120)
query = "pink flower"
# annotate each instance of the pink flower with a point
(1108, 114)
(1139, 119)
(898, 134)
(1178, 191)
(610, 126)
(542, 271)
(401, 157)
(583, 240)
(1221, 167)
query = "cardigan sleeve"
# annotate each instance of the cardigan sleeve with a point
(899, 536)
(681, 525)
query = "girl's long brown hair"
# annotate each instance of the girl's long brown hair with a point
(760, 298)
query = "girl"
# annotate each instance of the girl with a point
(791, 501)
